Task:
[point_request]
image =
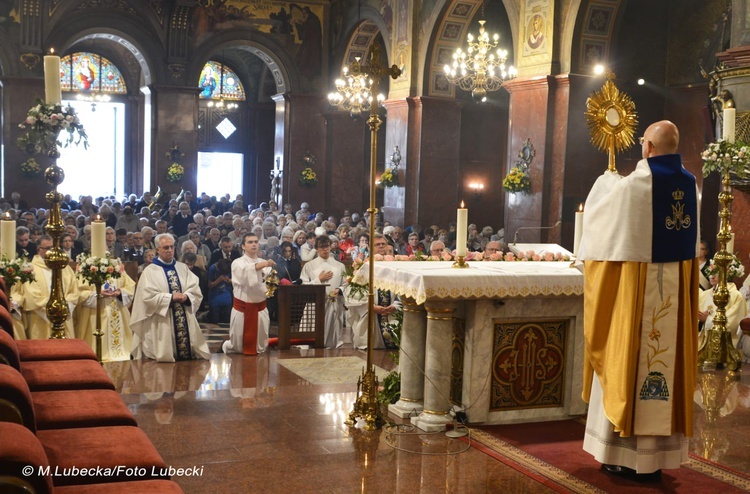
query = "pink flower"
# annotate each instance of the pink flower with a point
(411, 257)
(94, 269)
(389, 258)
(401, 257)
(530, 253)
(378, 257)
(446, 256)
(536, 257)
(510, 256)
(558, 256)
(110, 270)
(497, 256)
(549, 256)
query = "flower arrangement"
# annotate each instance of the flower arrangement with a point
(735, 269)
(724, 157)
(17, 270)
(356, 290)
(98, 270)
(389, 178)
(175, 172)
(308, 177)
(30, 168)
(44, 123)
(517, 180)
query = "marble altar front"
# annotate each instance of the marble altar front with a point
(502, 341)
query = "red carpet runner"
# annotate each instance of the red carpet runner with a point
(551, 453)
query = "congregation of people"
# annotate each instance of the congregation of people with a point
(205, 260)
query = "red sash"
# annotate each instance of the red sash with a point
(250, 327)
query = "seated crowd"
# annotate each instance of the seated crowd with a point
(207, 236)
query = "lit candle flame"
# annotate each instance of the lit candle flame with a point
(580, 208)
(51, 51)
(462, 204)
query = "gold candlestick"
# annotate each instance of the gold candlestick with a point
(99, 333)
(719, 351)
(56, 259)
(460, 262)
(367, 405)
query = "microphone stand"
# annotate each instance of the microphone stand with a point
(539, 228)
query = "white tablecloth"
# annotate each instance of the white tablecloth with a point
(422, 280)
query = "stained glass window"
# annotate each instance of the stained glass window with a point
(218, 81)
(85, 72)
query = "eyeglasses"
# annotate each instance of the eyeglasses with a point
(167, 247)
(379, 244)
(641, 140)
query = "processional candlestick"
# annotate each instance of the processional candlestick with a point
(367, 405)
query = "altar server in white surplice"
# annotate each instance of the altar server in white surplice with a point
(33, 297)
(249, 323)
(736, 308)
(640, 247)
(324, 269)
(117, 340)
(163, 320)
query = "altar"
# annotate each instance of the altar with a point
(502, 341)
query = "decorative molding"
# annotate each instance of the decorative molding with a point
(179, 35)
(30, 60)
(107, 4)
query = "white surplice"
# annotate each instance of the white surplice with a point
(334, 325)
(248, 286)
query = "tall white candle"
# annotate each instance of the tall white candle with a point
(461, 230)
(98, 238)
(578, 230)
(52, 91)
(7, 237)
(730, 244)
(728, 128)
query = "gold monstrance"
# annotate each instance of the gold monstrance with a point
(611, 118)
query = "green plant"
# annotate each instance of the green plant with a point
(391, 388)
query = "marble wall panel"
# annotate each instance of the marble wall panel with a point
(306, 131)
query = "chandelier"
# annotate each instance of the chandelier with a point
(478, 69)
(354, 91)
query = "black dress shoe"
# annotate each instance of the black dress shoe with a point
(630, 474)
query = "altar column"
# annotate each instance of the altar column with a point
(437, 367)
(411, 360)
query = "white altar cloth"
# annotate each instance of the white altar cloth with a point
(422, 280)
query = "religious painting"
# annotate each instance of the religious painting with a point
(300, 21)
(85, 72)
(386, 12)
(402, 24)
(537, 27)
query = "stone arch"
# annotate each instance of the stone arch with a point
(448, 27)
(123, 28)
(279, 63)
(362, 33)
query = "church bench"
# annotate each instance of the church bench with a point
(59, 409)
(65, 349)
(26, 450)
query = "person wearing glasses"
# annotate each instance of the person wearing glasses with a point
(640, 249)
(32, 297)
(164, 323)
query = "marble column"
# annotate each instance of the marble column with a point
(411, 360)
(437, 367)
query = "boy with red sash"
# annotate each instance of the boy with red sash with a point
(249, 322)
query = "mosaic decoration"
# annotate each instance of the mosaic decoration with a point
(217, 81)
(87, 72)
(597, 29)
(528, 364)
(457, 360)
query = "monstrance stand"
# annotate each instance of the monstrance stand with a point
(367, 405)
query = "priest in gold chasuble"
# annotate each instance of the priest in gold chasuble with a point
(639, 247)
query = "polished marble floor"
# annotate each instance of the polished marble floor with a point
(247, 424)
